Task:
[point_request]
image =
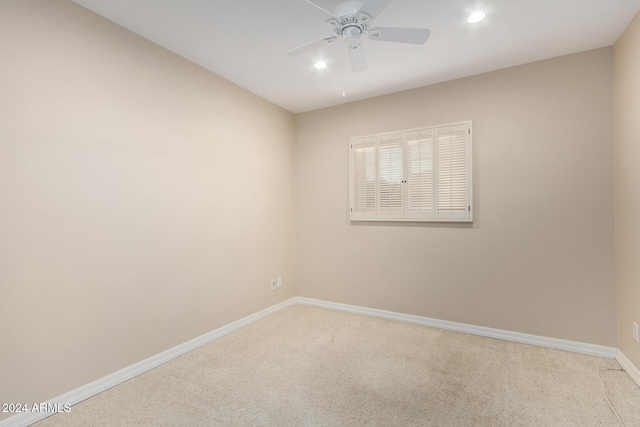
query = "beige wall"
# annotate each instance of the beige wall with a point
(627, 176)
(143, 200)
(539, 257)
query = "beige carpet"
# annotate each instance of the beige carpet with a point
(306, 366)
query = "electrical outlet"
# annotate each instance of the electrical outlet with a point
(635, 331)
(279, 281)
(273, 284)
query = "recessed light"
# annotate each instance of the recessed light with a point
(320, 65)
(476, 16)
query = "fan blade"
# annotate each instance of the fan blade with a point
(310, 46)
(357, 58)
(400, 35)
(322, 9)
(374, 7)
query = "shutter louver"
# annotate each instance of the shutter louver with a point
(420, 174)
(452, 176)
(363, 167)
(390, 176)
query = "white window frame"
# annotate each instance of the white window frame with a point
(437, 146)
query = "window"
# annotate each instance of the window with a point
(414, 175)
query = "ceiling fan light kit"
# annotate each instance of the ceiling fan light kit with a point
(353, 18)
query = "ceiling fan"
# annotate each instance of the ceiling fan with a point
(353, 18)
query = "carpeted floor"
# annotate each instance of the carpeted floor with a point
(307, 366)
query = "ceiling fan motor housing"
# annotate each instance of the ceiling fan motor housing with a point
(350, 27)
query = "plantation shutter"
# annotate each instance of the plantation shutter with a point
(414, 175)
(390, 176)
(420, 171)
(453, 167)
(363, 179)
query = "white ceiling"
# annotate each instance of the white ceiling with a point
(245, 41)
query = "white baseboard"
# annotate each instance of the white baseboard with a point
(82, 393)
(629, 367)
(576, 347)
(85, 392)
